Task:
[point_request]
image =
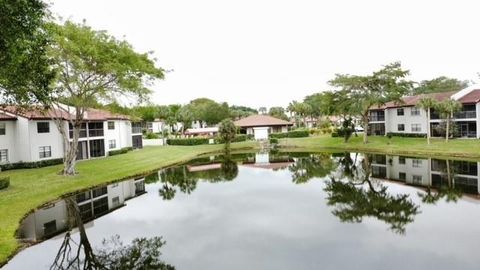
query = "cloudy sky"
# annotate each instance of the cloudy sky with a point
(269, 52)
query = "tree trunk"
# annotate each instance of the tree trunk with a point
(447, 131)
(70, 148)
(365, 129)
(428, 125)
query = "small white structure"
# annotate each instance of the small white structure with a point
(260, 126)
(208, 131)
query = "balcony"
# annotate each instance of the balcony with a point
(376, 118)
(465, 114)
(136, 128)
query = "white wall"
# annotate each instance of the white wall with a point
(394, 168)
(392, 120)
(478, 121)
(52, 139)
(7, 141)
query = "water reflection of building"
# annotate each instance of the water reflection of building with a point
(267, 161)
(53, 218)
(428, 172)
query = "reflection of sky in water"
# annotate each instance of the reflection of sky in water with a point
(261, 220)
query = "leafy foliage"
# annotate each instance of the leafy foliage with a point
(227, 131)
(4, 182)
(278, 112)
(440, 84)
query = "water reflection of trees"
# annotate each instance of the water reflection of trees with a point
(444, 187)
(142, 253)
(355, 196)
(308, 166)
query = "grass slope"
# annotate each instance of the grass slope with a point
(466, 148)
(31, 188)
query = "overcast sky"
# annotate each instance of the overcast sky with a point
(269, 52)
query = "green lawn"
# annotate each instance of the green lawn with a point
(31, 188)
(467, 148)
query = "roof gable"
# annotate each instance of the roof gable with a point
(261, 121)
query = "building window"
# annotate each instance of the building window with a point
(115, 201)
(45, 151)
(112, 144)
(400, 112)
(401, 127)
(97, 148)
(415, 111)
(82, 133)
(4, 155)
(401, 160)
(416, 128)
(417, 179)
(416, 163)
(43, 127)
(402, 176)
(50, 228)
(95, 129)
(111, 125)
(2, 128)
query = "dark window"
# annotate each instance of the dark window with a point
(50, 228)
(415, 111)
(97, 148)
(379, 172)
(45, 151)
(402, 176)
(400, 112)
(4, 155)
(99, 191)
(2, 128)
(115, 201)
(95, 129)
(139, 187)
(100, 206)
(43, 127)
(111, 125)
(83, 130)
(137, 141)
(83, 196)
(401, 160)
(86, 211)
(401, 127)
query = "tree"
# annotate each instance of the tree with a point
(262, 110)
(25, 71)
(314, 165)
(238, 112)
(301, 110)
(446, 109)
(227, 132)
(278, 112)
(208, 111)
(93, 66)
(427, 103)
(387, 84)
(440, 84)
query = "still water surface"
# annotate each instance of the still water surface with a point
(284, 211)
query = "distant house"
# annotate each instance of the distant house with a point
(262, 125)
(210, 131)
(30, 134)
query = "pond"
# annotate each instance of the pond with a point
(280, 211)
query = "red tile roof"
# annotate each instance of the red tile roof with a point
(472, 97)
(6, 117)
(39, 113)
(261, 121)
(413, 100)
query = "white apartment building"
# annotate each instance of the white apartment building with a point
(30, 135)
(407, 117)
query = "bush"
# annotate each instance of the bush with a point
(291, 134)
(31, 165)
(273, 140)
(120, 151)
(409, 135)
(188, 141)
(4, 182)
(152, 135)
(238, 138)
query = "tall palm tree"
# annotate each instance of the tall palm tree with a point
(427, 103)
(447, 108)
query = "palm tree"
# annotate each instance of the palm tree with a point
(447, 108)
(427, 103)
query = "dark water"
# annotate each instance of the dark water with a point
(284, 211)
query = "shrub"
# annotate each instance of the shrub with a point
(291, 134)
(4, 182)
(273, 140)
(31, 165)
(152, 135)
(409, 135)
(238, 138)
(188, 141)
(120, 151)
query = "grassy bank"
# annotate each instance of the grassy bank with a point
(30, 188)
(461, 148)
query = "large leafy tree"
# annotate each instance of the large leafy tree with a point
(440, 84)
(278, 112)
(386, 84)
(237, 112)
(300, 110)
(92, 66)
(25, 71)
(208, 111)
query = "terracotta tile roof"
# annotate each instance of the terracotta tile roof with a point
(261, 121)
(413, 100)
(472, 97)
(6, 117)
(39, 113)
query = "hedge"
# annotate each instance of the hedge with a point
(410, 135)
(31, 165)
(238, 138)
(291, 134)
(188, 141)
(4, 182)
(120, 151)
(273, 140)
